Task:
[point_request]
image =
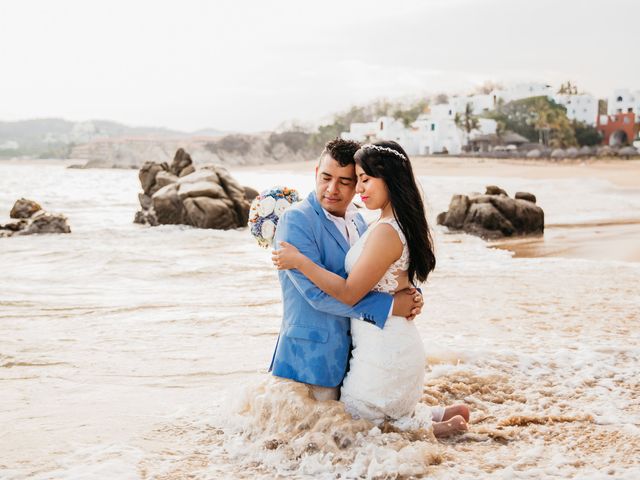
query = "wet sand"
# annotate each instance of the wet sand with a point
(622, 173)
(602, 240)
(615, 240)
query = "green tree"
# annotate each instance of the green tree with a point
(409, 114)
(586, 135)
(467, 121)
(538, 119)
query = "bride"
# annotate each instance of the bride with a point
(386, 370)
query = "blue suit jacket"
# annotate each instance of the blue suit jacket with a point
(314, 342)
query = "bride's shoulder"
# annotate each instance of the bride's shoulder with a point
(384, 237)
(392, 223)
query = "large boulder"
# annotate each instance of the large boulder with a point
(457, 212)
(32, 219)
(24, 208)
(181, 161)
(627, 152)
(46, 223)
(205, 212)
(148, 173)
(494, 214)
(485, 220)
(530, 197)
(164, 178)
(606, 151)
(585, 151)
(208, 197)
(167, 205)
(572, 152)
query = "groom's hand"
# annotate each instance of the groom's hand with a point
(408, 303)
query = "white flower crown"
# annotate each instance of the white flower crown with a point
(369, 146)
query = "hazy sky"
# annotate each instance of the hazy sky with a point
(250, 65)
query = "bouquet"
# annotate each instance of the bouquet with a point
(266, 210)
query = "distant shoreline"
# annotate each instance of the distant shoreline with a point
(622, 173)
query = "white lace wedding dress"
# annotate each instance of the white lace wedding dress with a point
(386, 371)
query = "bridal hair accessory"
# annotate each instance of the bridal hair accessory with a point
(266, 210)
(369, 146)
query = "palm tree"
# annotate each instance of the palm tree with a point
(467, 121)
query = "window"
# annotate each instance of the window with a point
(619, 99)
(630, 110)
(433, 127)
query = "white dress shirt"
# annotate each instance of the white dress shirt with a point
(346, 225)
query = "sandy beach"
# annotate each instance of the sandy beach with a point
(606, 239)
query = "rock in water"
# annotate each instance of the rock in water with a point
(148, 173)
(46, 223)
(24, 208)
(181, 161)
(457, 211)
(205, 198)
(530, 197)
(33, 220)
(494, 214)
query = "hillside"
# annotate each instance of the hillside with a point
(56, 137)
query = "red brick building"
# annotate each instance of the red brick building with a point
(617, 129)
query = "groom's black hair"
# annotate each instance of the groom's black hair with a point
(342, 151)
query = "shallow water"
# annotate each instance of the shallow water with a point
(134, 352)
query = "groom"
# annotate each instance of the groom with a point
(314, 342)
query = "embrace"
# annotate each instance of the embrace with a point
(348, 290)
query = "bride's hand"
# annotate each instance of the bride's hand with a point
(287, 258)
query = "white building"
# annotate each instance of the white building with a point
(484, 103)
(522, 90)
(432, 132)
(384, 128)
(582, 107)
(438, 132)
(479, 103)
(622, 100)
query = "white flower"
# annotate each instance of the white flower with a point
(266, 205)
(253, 211)
(268, 229)
(281, 205)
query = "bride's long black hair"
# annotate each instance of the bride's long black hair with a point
(406, 201)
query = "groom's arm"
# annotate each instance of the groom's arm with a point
(375, 307)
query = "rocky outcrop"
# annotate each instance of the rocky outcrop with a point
(179, 194)
(32, 219)
(494, 214)
(24, 208)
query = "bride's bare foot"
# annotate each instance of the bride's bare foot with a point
(452, 426)
(453, 410)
